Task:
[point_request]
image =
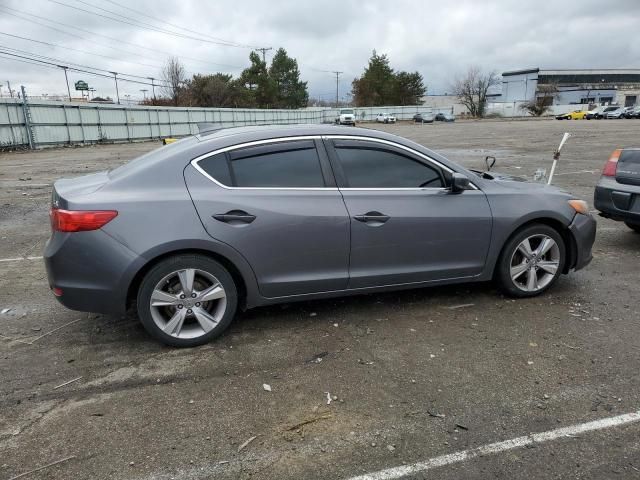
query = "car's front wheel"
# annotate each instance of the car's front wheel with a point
(531, 261)
(187, 300)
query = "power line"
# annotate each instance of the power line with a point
(264, 50)
(337, 85)
(59, 63)
(78, 50)
(101, 35)
(165, 22)
(145, 26)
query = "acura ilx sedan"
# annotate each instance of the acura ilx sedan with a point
(242, 217)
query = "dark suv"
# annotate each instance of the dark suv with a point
(617, 194)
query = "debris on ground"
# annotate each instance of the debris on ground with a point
(328, 398)
(5, 310)
(435, 414)
(324, 416)
(464, 305)
(67, 383)
(266, 387)
(391, 448)
(246, 443)
(24, 474)
(313, 314)
(462, 427)
(317, 358)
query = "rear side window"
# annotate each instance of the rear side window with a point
(380, 168)
(217, 167)
(292, 164)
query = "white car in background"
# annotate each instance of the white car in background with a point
(346, 116)
(386, 118)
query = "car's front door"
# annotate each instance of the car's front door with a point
(406, 225)
(278, 205)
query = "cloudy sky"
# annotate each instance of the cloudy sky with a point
(437, 38)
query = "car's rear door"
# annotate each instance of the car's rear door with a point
(276, 202)
(406, 226)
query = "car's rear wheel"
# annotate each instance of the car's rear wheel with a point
(531, 261)
(633, 226)
(187, 300)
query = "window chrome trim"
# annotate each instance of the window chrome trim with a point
(402, 147)
(196, 160)
(195, 163)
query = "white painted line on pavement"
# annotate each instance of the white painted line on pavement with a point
(17, 259)
(457, 457)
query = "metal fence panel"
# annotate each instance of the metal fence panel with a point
(56, 123)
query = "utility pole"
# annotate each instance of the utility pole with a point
(264, 51)
(67, 80)
(144, 93)
(115, 77)
(153, 88)
(337, 85)
(10, 91)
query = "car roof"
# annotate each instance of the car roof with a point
(236, 135)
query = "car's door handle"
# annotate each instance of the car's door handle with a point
(235, 217)
(372, 218)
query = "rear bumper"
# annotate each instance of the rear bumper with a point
(617, 201)
(583, 229)
(90, 268)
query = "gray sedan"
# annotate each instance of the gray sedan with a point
(250, 216)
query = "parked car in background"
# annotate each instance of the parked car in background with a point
(600, 114)
(386, 118)
(346, 116)
(444, 117)
(575, 115)
(636, 112)
(617, 194)
(615, 114)
(423, 118)
(591, 114)
(248, 216)
(628, 112)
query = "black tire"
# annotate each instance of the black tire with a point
(633, 226)
(204, 265)
(503, 267)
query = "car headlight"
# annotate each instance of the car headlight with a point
(579, 206)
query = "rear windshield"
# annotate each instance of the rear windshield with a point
(153, 156)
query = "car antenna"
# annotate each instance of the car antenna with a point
(556, 156)
(489, 165)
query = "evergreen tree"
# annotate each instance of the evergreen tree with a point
(290, 92)
(380, 85)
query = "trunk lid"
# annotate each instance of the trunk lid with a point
(67, 189)
(628, 171)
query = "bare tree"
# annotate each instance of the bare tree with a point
(472, 89)
(543, 101)
(174, 77)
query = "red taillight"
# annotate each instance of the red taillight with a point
(57, 291)
(611, 166)
(80, 220)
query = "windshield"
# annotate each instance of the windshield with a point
(346, 111)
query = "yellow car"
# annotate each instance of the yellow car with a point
(575, 115)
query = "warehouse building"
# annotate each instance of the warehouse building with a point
(600, 87)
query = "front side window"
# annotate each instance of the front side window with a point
(292, 164)
(373, 167)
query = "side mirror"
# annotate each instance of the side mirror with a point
(459, 182)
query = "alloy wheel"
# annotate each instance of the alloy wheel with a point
(535, 263)
(188, 303)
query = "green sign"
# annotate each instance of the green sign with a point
(81, 85)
